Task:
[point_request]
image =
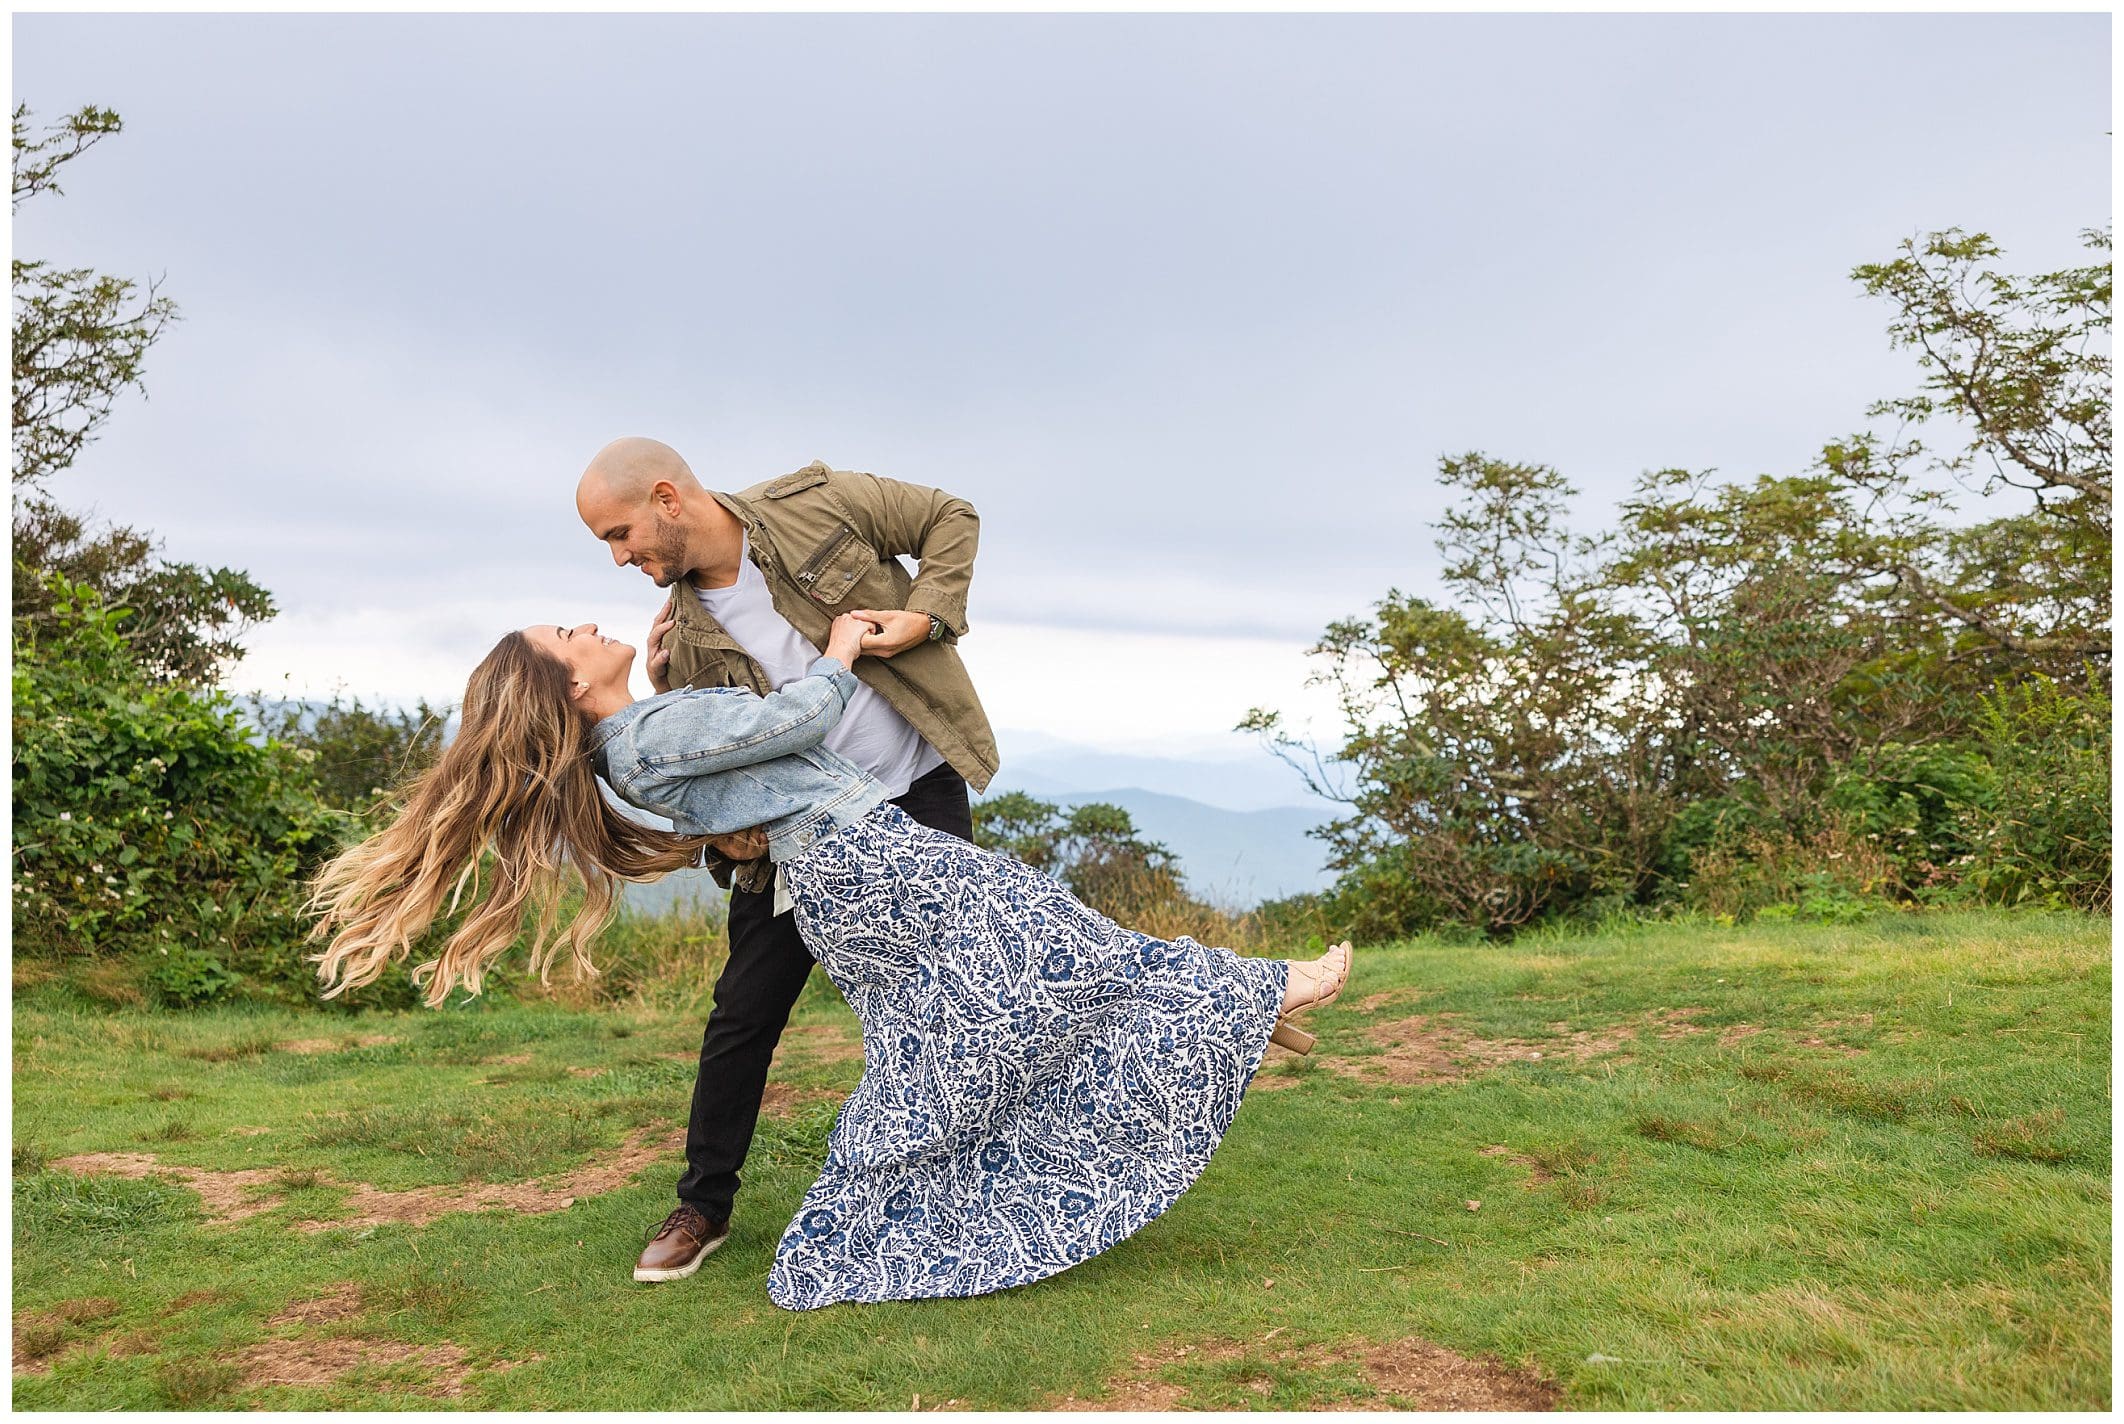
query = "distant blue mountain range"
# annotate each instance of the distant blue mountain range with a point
(1235, 859)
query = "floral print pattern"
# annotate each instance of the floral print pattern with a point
(1038, 1082)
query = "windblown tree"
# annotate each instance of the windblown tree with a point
(2020, 366)
(81, 340)
(1778, 658)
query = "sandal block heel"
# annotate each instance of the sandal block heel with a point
(1289, 1035)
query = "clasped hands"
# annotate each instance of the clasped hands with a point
(886, 632)
(861, 632)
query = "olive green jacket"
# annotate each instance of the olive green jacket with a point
(826, 541)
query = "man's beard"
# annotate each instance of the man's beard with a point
(669, 552)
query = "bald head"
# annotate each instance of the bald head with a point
(642, 501)
(627, 470)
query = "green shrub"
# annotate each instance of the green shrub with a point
(1914, 803)
(186, 976)
(1094, 849)
(2043, 833)
(148, 822)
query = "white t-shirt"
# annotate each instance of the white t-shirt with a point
(870, 733)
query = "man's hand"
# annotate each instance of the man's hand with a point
(741, 845)
(656, 658)
(898, 630)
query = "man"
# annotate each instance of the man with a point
(756, 579)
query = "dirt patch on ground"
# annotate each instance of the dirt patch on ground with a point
(233, 1195)
(1427, 1049)
(314, 1363)
(198, 1297)
(574, 1072)
(133, 1342)
(1734, 1033)
(1278, 1070)
(416, 1206)
(249, 1131)
(1580, 1044)
(1675, 1023)
(337, 1302)
(1388, 998)
(1129, 1394)
(341, 1044)
(506, 1060)
(1536, 1173)
(43, 1337)
(1419, 1375)
(1814, 1040)
(1408, 1374)
(40, 1335)
(1435, 1048)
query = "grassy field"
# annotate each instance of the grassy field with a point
(1773, 1167)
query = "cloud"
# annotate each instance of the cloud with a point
(1192, 344)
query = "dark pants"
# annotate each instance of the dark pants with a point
(759, 985)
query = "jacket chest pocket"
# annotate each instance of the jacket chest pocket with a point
(836, 567)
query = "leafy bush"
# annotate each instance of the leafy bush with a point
(147, 821)
(2043, 832)
(184, 975)
(1833, 875)
(1914, 803)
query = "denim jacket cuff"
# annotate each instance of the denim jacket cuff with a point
(842, 677)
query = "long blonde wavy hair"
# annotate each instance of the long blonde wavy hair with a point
(512, 799)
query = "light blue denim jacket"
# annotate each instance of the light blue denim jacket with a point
(719, 759)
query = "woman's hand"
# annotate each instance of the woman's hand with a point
(844, 642)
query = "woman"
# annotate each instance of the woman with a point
(1038, 1082)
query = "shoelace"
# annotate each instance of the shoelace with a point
(671, 1224)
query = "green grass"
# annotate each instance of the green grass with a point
(1869, 1169)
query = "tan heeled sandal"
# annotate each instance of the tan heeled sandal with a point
(1287, 1034)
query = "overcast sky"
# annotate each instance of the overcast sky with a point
(1187, 306)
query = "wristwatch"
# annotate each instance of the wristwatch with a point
(936, 629)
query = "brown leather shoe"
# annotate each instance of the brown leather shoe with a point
(681, 1244)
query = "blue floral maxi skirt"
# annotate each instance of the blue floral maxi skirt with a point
(1038, 1082)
